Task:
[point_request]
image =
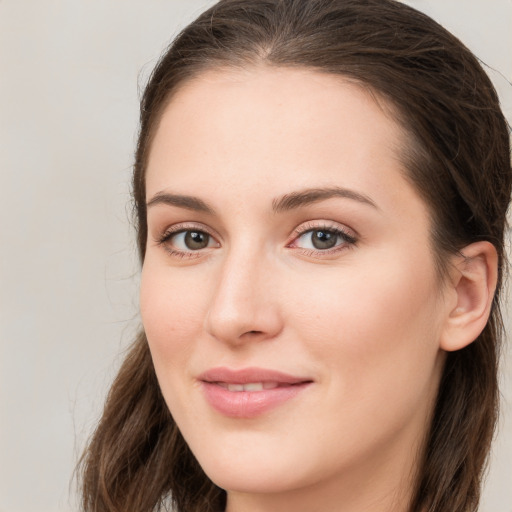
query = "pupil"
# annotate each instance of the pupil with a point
(323, 239)
(196, 240)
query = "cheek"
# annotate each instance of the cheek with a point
(374, 328)
(171, 312)
(375, 339)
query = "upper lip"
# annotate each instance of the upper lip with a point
(249, 375)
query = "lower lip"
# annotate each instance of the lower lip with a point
(249, 404)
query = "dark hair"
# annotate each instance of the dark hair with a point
(458, 159)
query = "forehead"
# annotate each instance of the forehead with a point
(279, 126)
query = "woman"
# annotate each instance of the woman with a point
(321, 189)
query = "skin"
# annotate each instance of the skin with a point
(365, 321)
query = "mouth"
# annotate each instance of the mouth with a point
(249, 392)
(251, 386)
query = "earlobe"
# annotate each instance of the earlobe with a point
(473, 280)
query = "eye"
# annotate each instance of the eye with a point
(322, 239)
(191, 240)
(179, 241)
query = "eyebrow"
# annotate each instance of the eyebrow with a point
(315, 195)
(181, 201)
(287, 202)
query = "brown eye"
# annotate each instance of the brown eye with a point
(195, 240)
(189, 240)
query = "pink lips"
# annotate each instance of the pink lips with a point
(249, 392)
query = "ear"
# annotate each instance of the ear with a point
(473, 280)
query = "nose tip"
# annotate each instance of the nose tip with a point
(243, 306)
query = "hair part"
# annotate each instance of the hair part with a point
(457, 158)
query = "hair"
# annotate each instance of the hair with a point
(457, 158)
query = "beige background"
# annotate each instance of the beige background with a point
(68, 270)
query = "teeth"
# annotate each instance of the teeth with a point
(256, 386)
(251, 386)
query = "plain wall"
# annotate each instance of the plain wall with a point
(68, 268)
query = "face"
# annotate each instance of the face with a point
(289, 293)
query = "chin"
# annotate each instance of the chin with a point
(250, 482)
(246, 475)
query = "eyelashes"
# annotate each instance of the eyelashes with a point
(187, 240)
(321, 238)
(315, 238)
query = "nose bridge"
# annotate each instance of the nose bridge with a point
(242, 305)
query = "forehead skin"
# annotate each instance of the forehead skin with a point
(302, 94)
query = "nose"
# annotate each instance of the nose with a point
(244, 304)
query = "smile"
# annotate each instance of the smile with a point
(249, 392)
(252, 386)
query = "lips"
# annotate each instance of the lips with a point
(249, 392)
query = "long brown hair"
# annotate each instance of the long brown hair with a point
(458, 159)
